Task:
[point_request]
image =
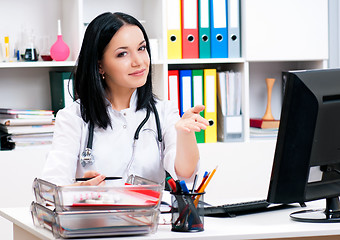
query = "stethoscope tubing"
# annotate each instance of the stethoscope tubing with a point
(88, 149)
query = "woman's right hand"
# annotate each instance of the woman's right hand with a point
(97, 179)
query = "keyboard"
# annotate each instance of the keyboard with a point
(236, 208)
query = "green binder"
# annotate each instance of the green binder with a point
(204, 28)
(61, 85)
(198, 97)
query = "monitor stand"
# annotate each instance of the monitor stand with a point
(330, 214)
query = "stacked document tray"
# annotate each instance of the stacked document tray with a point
(89, 211)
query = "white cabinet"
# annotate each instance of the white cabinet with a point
(276, 36)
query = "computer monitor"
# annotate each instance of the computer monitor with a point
(306, 163)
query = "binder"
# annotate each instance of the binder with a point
(198, 97)
(234, 41)
(204, 28)
(189, 29)
(173, 87)
(62, 94)
(219, 30)
(210, 112)
(185, 90)
(174, 30)
(229, 127)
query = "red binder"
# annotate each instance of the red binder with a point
(190, 39)
(173, 87)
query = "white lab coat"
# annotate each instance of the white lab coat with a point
(112, 148)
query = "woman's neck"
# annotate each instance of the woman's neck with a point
(120, 99)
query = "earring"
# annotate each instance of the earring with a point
(103, 77)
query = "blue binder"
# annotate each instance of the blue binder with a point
(185, 89)
(219, 28)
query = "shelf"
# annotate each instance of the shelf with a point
(37, 64)
(205, 60)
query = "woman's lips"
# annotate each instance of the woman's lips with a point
(138, 72)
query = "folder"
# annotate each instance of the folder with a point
(219, 30)
(234, 41)
(189, 29)
(174, 29)
(185, 88)
(204, 28)
(229, 127)
(233, 92)
(62, 94)
(173, 87)
(210, 112)
(198, 97)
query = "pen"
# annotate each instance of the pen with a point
(205, 185)
(107, 178)
(171, 183)
(184, 187)
(194, 184)
(205, 174)
(205, 177)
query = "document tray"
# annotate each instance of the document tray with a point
(80, 198)
(95, 223)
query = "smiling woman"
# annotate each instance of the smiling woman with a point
(125, 65)
(96, 136)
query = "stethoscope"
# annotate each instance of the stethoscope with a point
(87, 158)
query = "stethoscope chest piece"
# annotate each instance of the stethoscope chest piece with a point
(86, 157)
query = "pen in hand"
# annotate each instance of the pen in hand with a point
(106, 178)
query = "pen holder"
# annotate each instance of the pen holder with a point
(187, 212)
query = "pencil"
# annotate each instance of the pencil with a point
(202, 183)
(204, 186)
(107, 178)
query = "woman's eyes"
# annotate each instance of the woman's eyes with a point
(142, 48)
(122, 54)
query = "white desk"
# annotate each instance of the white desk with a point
(265, 225)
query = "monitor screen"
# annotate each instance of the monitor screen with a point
(306, 163)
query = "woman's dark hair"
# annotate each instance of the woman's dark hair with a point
(89, 85)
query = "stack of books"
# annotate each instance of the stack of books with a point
(25, 127)
(260, 128)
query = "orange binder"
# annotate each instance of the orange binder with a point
(190, 39)
(173, 87)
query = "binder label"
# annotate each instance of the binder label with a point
(220, 10)
(210, 88)
(174, 22)
(204, 11)
(190, 17)
(198, 90)
(234, 11)
(186, 90)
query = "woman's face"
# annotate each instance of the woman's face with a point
(125, 62)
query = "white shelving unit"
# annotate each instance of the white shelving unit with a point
(276, 36)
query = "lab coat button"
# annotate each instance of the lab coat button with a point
(124, 126)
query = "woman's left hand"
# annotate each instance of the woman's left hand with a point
(192, 121)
